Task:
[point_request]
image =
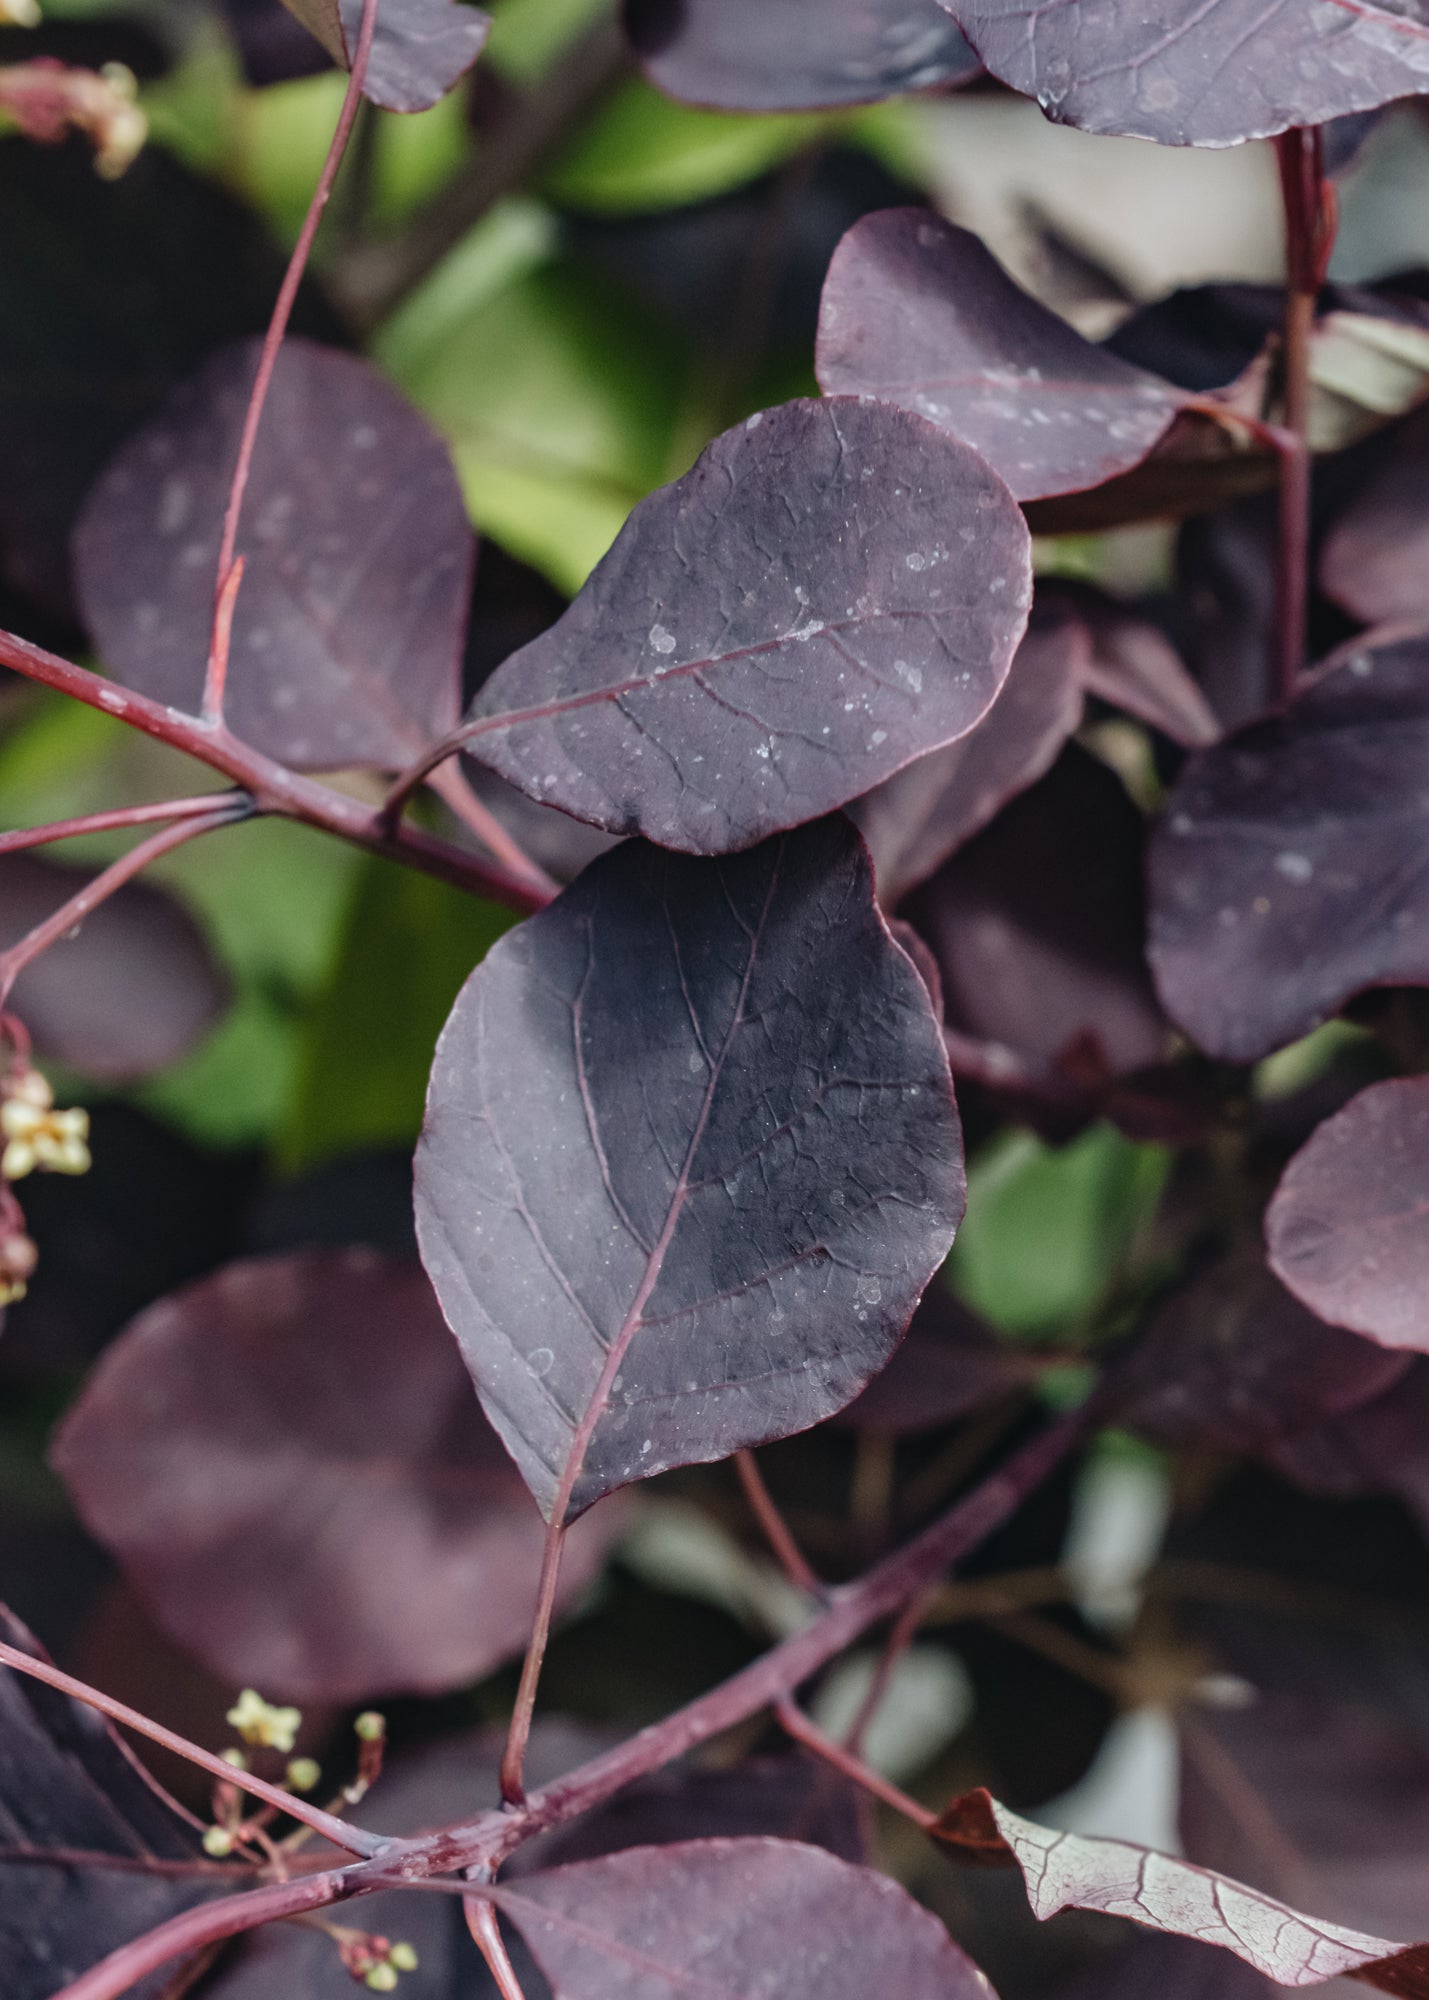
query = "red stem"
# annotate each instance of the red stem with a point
(518, 1734)
(793, 1719)
(451, 785)
(481, 1922)
(353, 1838)
(775, 1528)
(104, 885)
(485, 1842)
(272, 787)
(116, 819)
(228, 579)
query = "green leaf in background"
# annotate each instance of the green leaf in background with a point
(642, 151)
(561, 399)
(1049, 1230)
(366, 1047)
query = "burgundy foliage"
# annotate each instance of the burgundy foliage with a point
(862, 584)
(655, 1923)
(1201, 75)
(348, 627)
(1281, 878)
(949, 1363)
(759, 55)
(1375, 559)
(68, 1782)
(129, 993)
(690, 1158)
(1069, 1871)
(1348, 1229)
(288, 1460)
(419, 50)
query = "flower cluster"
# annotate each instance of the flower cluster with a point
(376, 1961)
(35, 1134)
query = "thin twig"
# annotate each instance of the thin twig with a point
(353, 1838)
(229, 575)
(481, 1922)
(28, 948)
(451, 786)
(518, 1734)
(115, 819)
(776, 1530)
(797, 1724)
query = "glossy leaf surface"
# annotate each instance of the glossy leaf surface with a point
(420, 48)
(347, 631)
(1068, 1871)
(734, 1920)
(1284, 876)
(1208, 74)
(690, 1158)
(917, 312)
(834, 589)
(1234, 1363)
(289, 1462)
(1348, 1229)
(129, 993)
(67, 1781)
(759, 55)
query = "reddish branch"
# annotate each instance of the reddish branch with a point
(484, 1843)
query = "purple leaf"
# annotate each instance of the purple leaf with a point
(1381, 1447)
(691, 1156)
(949, 1364)
(1069, 1871)
(734, 1920)
(68, 1782)
(918, 313)
(1038, 927)
(758, 55)
(835, 589)
(288, 1461)
(921, 815)
(127, 994)
(1201, 72)
(420, 48)
(347, 633)
(1233, 1363)
(1348, 1228)
(1375, 559)
(1282, 875)
(1135, 667)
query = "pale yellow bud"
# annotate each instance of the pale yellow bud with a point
(258, 1722)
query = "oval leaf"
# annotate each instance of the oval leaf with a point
(1348, 1228)
(730, 1919)
(834, 589)
(1208, 74)
(1283, 875)
(348, 627)
(125, 994)
(1071, 1871)
(289, 1462)
(691, 1156)
(919, 313)
(420, 48)
(758, 55)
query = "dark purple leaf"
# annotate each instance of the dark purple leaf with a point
(129, 993)
(835, 589)
(1375, 560)
(1381, 1447)
(1284, 875)
(68, 1782)
(921, 815)
(949, 1364)
(918, 313)
(1317, 1802)
(288, 1460)
(1201, 72)
(732, 1919)
(1348, 1229)
(1038, 927)
(1070, 1871)
(420, 48)
(1233, 1363)
(156, 270)
(759, 55)
(347, 633)
(1134, 666)
(690, 1158)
